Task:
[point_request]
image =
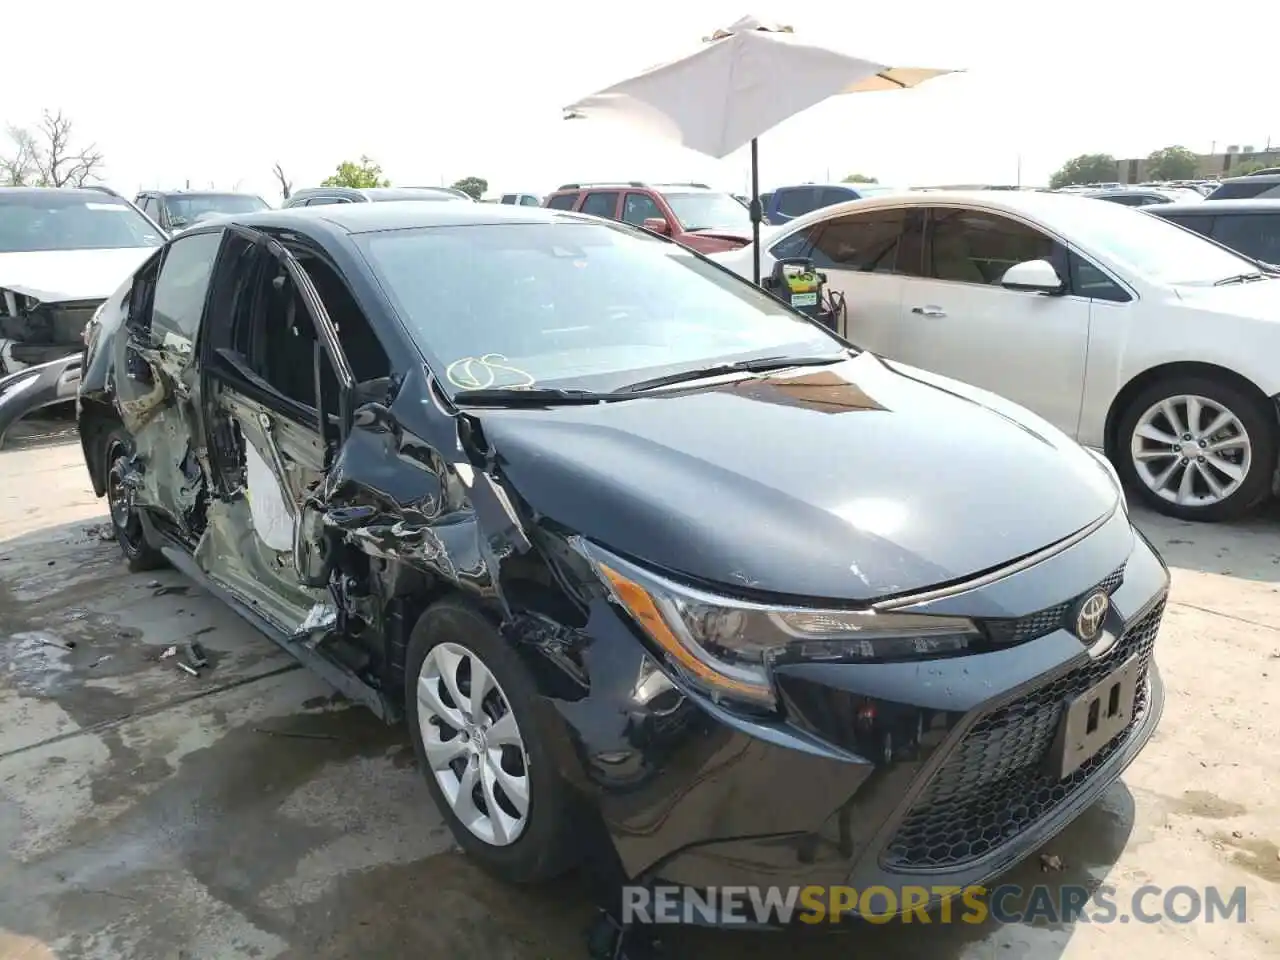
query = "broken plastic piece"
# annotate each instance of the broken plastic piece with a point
(169, 652)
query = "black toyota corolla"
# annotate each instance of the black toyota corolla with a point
(660, 573)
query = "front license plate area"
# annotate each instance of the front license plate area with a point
(1095, 717)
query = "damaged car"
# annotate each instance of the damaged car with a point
(663, 577)
(62, 252)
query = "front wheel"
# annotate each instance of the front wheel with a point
(482, 742)
(125, 520)
(1197, 448)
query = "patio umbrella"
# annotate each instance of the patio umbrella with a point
(743, 81)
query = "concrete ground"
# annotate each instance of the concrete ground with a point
(152, 815)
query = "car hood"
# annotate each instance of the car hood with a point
(856, 481)
(1259, 300)
(60, 275)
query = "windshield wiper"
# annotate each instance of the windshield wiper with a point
(1244, 278)
(527, 396)
(754, 365)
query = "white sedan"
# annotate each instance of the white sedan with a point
(1131, 334)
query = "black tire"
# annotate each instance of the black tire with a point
(545, 849)
(139, 555)
(1257, 419)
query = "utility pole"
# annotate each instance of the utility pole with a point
(1019, 171)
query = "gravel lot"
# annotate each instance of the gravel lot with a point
(150, 815)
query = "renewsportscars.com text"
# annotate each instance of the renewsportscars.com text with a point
(1008, 903)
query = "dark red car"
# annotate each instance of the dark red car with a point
(693, 214)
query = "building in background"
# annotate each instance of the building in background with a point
(1210, 166)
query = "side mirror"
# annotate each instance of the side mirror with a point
(657, 225)
(1033, 276)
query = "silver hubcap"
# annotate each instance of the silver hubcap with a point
(1191, 451)
(473, 744)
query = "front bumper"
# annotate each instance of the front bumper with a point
(948, 787)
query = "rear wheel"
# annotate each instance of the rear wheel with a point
(481, 736)
(138, 554)
(1198, 448)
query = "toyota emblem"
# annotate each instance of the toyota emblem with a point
(1092, 612)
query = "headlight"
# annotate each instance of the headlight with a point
(1111, 472)
(728, 647)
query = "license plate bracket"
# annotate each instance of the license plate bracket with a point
(1093, 718)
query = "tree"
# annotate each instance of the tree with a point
(473, 187)
(1248, 167)
(1086, 168)
(286, 186)
(365, 173)
(45, 157)
(859, 178)
(1172, 163)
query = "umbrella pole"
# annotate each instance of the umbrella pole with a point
(756, 213)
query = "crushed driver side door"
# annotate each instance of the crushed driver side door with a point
(277, 390)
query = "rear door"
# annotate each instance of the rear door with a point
(158, 399)
(858, 253)
(958, 321)
(601, 203)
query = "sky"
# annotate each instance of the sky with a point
(214, 94)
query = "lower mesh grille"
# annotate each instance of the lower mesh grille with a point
(994, 785)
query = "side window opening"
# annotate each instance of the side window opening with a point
(364, 352)
(973, 246)
(798, 244)
(273, 331)
(1088, 281)
(181, 289)
(562, 201)
(865, 242)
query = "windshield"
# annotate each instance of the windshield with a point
(52, 220)
(582, 305)
(709, 211)
(1146, 244)
(186, 209)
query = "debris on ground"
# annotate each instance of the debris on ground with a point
(101, 531)
(195, 654)
(187, 668)
(152, 584)
(1049, 862)
(55, 642)
(169, 652)
(296, 734)
(102, 659)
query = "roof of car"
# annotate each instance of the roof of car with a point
(1032, 203)
(1255, 178)
(374, 193)
(1212, 208)
(198, 193)
(405, 215)
(85, 193)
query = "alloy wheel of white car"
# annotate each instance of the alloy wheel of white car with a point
(473, 744)
(1191, 450)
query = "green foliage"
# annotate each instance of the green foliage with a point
(860, 178)
(365, 173)
(1248, 167)
(1172, 163)
(1086, 168)
(474, 187)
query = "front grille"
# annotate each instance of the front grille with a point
(994, 785)
(1035, 625)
